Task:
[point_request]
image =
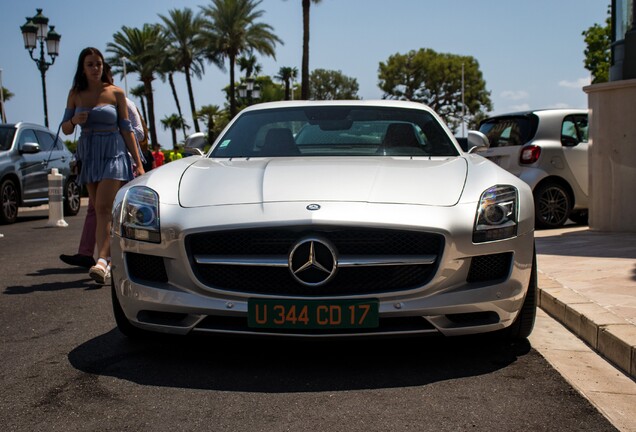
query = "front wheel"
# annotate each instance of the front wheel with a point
(72, 198)
(524, 323)
(122, 322)
(10, 197)
(552, 205)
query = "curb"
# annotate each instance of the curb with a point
(606, 333)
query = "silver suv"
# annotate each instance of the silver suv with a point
(548, 150)
(28, 152)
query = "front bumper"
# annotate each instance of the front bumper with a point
(453, 301)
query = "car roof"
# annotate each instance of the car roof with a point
(360, 103)
(541, 112)
(25, 124)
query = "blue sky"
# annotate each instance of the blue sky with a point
(530, 52)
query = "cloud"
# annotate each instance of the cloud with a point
(560, 105)
(581, 82)
(514, 94)
(520, 107)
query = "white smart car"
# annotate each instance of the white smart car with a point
(548, 150)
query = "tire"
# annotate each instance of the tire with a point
(72, 198)
(9, 197)
(579, 217)
(124, 326)
(553, 205)
(522, 326)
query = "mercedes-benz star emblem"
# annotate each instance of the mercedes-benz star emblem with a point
(313, 207)
(313, 262)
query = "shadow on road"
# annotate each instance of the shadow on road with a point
(275, 366)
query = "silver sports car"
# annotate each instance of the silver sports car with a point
(326, 219)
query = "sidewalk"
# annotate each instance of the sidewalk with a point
(587, 282)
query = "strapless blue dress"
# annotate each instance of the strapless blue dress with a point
(101, 148)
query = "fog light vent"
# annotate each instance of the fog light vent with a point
(488, 268)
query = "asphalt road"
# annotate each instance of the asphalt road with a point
(64, 366)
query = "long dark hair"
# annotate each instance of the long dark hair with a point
(80, 82)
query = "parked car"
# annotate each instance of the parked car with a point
(335, 231)
(28, 152)
(548, 150)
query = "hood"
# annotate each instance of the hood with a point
(436, 182)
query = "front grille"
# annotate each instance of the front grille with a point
(347, 241)
(148, 268)
(487, 268)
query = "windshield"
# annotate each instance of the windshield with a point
(6, 137)
(335, 131)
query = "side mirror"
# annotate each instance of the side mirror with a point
(195, 143)
(477, 141)
(30, 147)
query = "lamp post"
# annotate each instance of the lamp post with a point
(37, 29)
(249, 90)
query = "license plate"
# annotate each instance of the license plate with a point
(312, 314)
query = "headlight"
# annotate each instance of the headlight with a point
(138, 215)
(497, 212)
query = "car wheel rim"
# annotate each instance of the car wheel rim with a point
(9, 202)
(553, 206)
(73, 195)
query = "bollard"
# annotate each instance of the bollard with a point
(56, 197)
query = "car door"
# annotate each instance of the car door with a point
(57, 155)
(32, 166)
(574, 139)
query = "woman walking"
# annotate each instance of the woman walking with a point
(99, 107)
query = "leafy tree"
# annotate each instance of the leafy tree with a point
(286, 75)
(6, 95)
(329, 85)
(230, 29)
(598, 41)
(435, 79)
(143, 49)
(183, 30)
(139, 92)
(174, 122)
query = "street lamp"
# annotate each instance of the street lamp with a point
(249, 90)
(37, 29)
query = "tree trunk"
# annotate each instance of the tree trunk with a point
(191, 96)
(176, 100)
(151, 111)
(304, 87)
(232, 87)
(174, 136)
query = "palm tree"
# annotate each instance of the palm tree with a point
(230, 30)
(143, 49)
(286, 75)
(166, 70)
(140, 92)
(6, 95)
(210, 113)
(174, 122)
(183, 29)
(304, 86)
(248, 64)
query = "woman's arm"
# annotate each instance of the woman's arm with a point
(68, 124)
(125, 129)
